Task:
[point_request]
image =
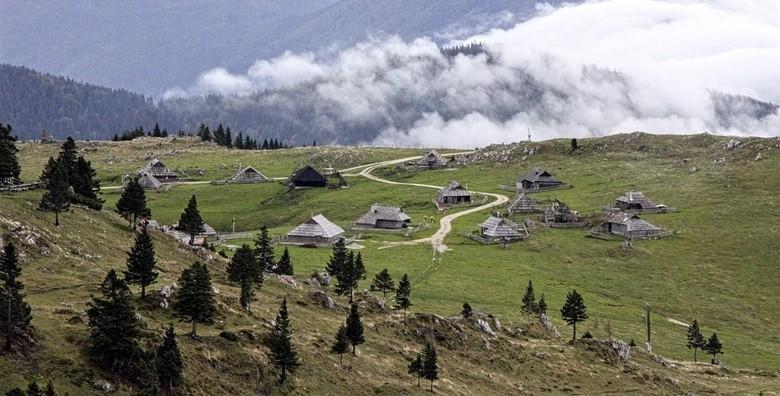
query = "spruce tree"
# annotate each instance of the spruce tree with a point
(190, 221)
(156, 131)
(713, 347)
(48, 170)
(402, 295)
(383, 282)
(69, 156)
(113, 325)
(337, 259)
(345, 278)
(168, 362)
(695, 338)
(358, 271)
(132, 203)
(9, 163)
(141, 264)
(541, 306)
(285, 266)
(466, 312)
(15, 315)
(430, 363)
(57, 196)
(243, 269)
(354, 328)
(283, 352)
(416, 368)
(239, 142)
(264, 251)
(341, 344)
(86, 185)
(574, 311)
(529, 299)
(195, 298)
(143, 372)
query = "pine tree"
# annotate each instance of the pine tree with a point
(430, 363)
(156, 131)
(15, 315)
(168, 362)
(204, 133)
(239, 142)
(86, 185)
(48, 170)
(337, 259)
(195, 298)
(69, 156)
(695, 339)
(228, 138)
(283, 352)
(541, 306)
(341, 344)
(9, 163)
(415, 368)
(466, 312)
(132, 203)
(355, 328)
(402, 295)
(141, 263)
(383, 282)
(113, 325)
(243, 268)
(713, 347)
(285, 266)
(529, 299)
(190, 221)
(345, 278)
(57, 196)
(264, 251)
(358, 271)
(574, 145)
(574, 311)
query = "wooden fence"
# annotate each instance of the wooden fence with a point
(22, 187)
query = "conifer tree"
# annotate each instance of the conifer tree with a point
(466, 312)
(15, 315)
(337, 259)
(358, 271)
(345, 278)
(156, 131)
(69, 156)
(283, 352)
(113, 325)
(264, 251)
(574, 311)
(243, 268)
(713, 346)
(48, 170)
(354, 328)
(402, 295)
(430, 363)
(383, 282)
(341, 344)
(168, 362)
(195, 298)
(285, 266)
(86, 185)
(141, 264)
(695, 338)
(541, 306)
(416, 368)
(132, 202)
(228, 138)
(57, 196)
(190, 221)
(529, 299)
(143, 372)
(9, 163)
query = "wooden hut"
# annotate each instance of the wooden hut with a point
(384, 217)
(560, 213)
(249, 175)
(160, 172)
(149, 182)
(496, 229)
(317, 231)
(629, 226)
(522, 203)
(537, 179)
(307, 177)
(453, 194)
(636, 200)
(432, 160)
(209, 234)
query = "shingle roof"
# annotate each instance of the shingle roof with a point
(500, 228)
(381, 212)
(537, 175)
(148, 181)
(638, 198)
(248, 174)
(157, 169)
(523, 202)
(632, 222)
(432, 158)
(317, 226)
(454, 189)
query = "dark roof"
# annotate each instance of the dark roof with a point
(381, 212)
(307, 174)
(157, 169)
(538, 175)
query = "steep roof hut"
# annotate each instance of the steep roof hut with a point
(560, 213)
(384, 217)
(500, 229)
(636, 200)
(432, 160)
(249, 175)
(453, 194)
(537, 179)
(523, 204)
(308, 177)
(149, 182)
(629, 226)
(316, 231)
(208, 234)
(157, 169)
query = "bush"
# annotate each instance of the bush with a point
(587, 335)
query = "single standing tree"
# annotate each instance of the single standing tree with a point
(541, 306)
(195, 298)
(713, 347)
(264, 251)
(467, 311)
(337, 259)
(69, 156)
(169, 363)
(57, 196)
(383, 282)
(141, 263)
(190, 221)
(86, 185)
(345, 278)
(574, 311)
(285, 266)
(355, 328)
(283, 352)
(132, 202)
(430, 363)
(529, 299)
(574, 145)
(341, 344)
(9, 163)
(113, 325)
(244, 269)
(358, 272)
(695, 339)
(415, 368)
(402, 295)
(15, 316)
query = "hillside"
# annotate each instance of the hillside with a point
(720, 268)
